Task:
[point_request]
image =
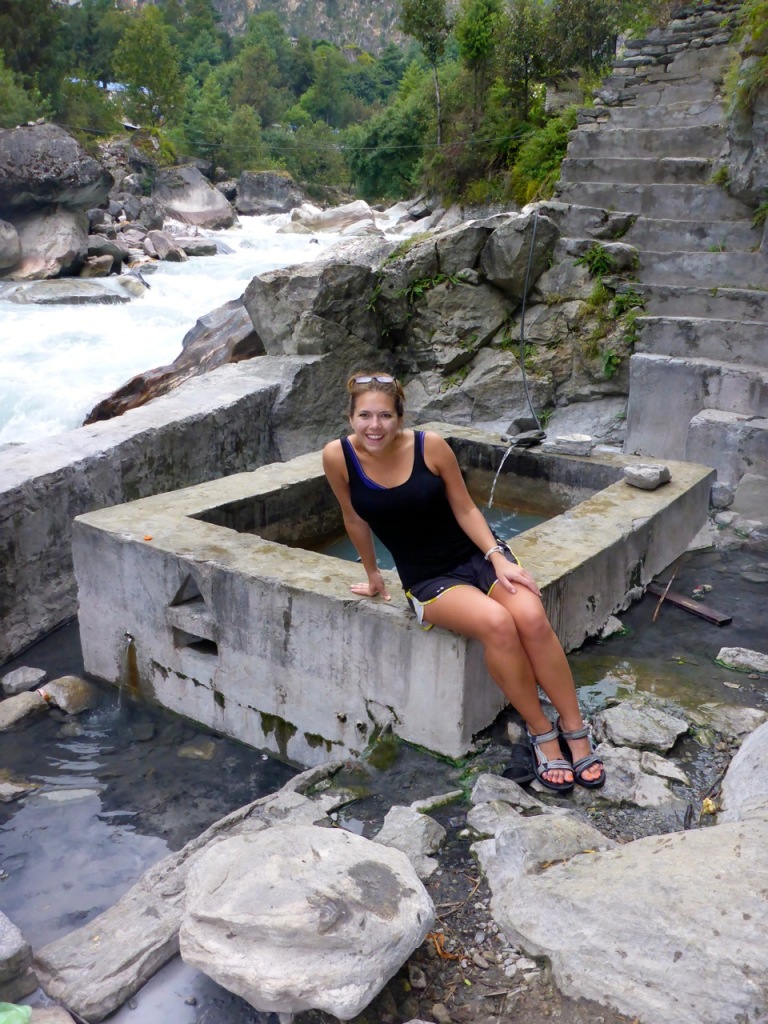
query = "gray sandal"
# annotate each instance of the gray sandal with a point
(583, 763)
(542, 765)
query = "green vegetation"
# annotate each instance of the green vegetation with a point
(459, 111)
(748, 74)
(597, 260)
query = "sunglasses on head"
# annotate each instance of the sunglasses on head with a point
(381, 378)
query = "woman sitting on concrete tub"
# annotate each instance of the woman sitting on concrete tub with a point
(406, 487)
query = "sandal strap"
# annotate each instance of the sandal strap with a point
(576, 734)
(557, 764)
(543, 737)
(583, 763)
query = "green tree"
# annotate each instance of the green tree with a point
(427, 22)
(207, 124)
(94, 29)
(31, 39)
(476, 29)
(522, 50)
(582, 33)
(256, 82)
(149, 65)
(243, 148)
(17, 105)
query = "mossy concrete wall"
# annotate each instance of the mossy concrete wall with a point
(263, 641)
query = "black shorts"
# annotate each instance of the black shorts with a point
(475, 572)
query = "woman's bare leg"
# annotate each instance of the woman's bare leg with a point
(467, 610)
(549, 663)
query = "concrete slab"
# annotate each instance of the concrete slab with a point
(666, 393)
(234, 625)
(732, 341)
(664, 201)
(688, 141)
(638, 170)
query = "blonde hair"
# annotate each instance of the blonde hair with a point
(392, 387)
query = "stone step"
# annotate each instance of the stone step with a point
(694, 235)
(737, 447)
(631, 92)
(704, 269)
(667, 115)
(653, 233)
(666, 392)
(718, 303)
(597, 141)
(734, 341)
(665, 201)
(638, 170)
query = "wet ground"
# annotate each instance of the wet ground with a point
(121, 785)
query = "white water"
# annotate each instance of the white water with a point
(57, 362)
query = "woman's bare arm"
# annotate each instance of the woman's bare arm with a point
(358, 531)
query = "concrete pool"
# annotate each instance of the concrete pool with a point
(215, 599)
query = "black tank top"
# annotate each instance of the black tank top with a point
(413, 520)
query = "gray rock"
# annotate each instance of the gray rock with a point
(74, 292)
(639, 724)
(313, 308)
(185, 195)
(96, 266)
(731, 722)
(505, 258)
(95, 969)
(323, 924)
(570, 444)
(744, 792)
(651, 918)
(744, 660)
(15, 951)
(21, 680)
(722, 495)
(12, 788)
(53, 239)
(42, 164)
(336, 218)
(634, 777)
(646, 477)
(526, 846)
(21, 709)
(197, 246)
(71, 694)
(612, 627)
(261, 192)
(164, 247)
(495, 788)
(10, 246)
(415, 834)
(225, 335)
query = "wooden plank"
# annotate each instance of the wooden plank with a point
(696, 607)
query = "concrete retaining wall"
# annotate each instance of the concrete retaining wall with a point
(215, 424)
(264, 642)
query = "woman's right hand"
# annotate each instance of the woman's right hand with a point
(374, 586)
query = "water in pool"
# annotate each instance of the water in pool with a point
(506, 522)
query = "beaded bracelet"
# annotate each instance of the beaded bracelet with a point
(490, 551)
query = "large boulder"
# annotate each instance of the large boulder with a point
(186, 195)
(336, 218)
(10, 246)
(43, 164)
(224, 336)
(518, 252)
(323, 923)
(54, 241)
(267, 192)
(313, 308)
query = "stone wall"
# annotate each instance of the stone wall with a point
(217, 424)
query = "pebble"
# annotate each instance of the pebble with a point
(440, 1013)
(416, 977)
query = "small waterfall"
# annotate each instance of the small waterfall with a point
(504, 458)
(128, 680)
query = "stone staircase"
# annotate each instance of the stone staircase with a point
(699, 376)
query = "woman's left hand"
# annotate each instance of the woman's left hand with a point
(509, 574)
